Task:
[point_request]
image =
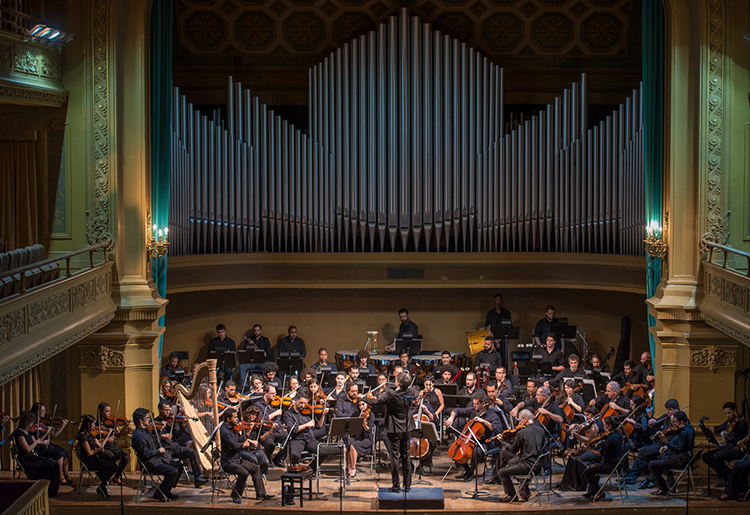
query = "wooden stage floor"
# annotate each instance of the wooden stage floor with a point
(361, 497)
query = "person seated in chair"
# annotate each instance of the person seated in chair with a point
(323, 361)
(171, 369)
(675, 453)
(732, 431)
(232, 443)
(168, 441)
(362, 362)
(154, 456)
(610, 454)
(270, 371)
(93, 455)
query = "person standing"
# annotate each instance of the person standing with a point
(544, 326)
(293, 343)
(221, 344)
(398, 424)
(406, 327)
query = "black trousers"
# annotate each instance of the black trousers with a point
(113, 451)
(645, 455)
(737, 484)
(593, 472)
(243, 469)
(398, 450)
(507, 466)
(665, 463)
(105, 467)
(717, 459)
(179, 451)
(171, 473)
(278, 435)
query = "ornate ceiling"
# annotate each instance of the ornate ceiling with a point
(515, 33)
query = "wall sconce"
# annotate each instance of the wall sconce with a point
(157, 244)
(656, 244)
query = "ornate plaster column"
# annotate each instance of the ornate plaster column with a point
(695, 363)
(121, 361)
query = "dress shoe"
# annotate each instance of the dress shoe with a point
(645, 484)
(660, 493)
(395, 489)
(159, 497)
(103, 492)
(507, 498)
(628, 480)
(172, 497)
(237, 499)
(461, 475)
(407, 489)
(721, 483)
(588, 495)
(523, 497)
(265, 497)
(200, 481)
(600, 497)
(492, 481)
(725, 497)
(468, 478)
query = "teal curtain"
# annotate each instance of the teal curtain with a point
(161, 129)
(653, 118)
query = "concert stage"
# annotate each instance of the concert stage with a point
(362, 497)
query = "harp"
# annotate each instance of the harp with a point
(195, 427)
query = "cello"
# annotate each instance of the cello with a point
(462, 449)
(419, 448)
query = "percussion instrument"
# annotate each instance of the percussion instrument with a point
(346, 358)
(475, 339)
(425, 365)
(383, 363)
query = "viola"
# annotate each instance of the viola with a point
(462, 449)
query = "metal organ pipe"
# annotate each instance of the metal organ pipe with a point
(406, 151)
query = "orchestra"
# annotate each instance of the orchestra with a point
(277, 419)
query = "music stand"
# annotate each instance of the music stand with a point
(545, 369)
(230, 359)
(589, 389)
(218, 356)
(507, 332)
(343, 427)
(423, 430)
(372, 381)
(413, 346)
(563, 332)
(251, 356)
(456, 401)
(448, 389)
(711, 439)
(290, 361)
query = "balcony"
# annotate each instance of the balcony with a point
(40, 321)
(726, 283)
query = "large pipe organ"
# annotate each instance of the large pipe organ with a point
(406, 151)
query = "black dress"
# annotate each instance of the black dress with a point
(105, 467)
(35, 466)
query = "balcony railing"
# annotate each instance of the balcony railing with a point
(17, 15)
(726, 284)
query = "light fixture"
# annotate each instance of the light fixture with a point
(656, 244)
(157, 243)
(48, 36)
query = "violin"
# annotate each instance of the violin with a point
(245, 426)
(155, 426)
(40, 428)
(55, 422)
(666, 433)
(507, 435)
(276, 402)
(306, 410)
(111, 422)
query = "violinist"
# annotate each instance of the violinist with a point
(628, 375)
(527, 445)
(167, 439)
(732, 431)
(638, 420)
(230, 396)
(573, 479)
(93, 455)
(362, 362)
(111, 449)
(27, 443)
(339, 390)
(45, 448)
(445, 362)
(166, 390)
(362, 443)
(173, 422)
(478, 412)
(675, 453)
(348, 407)
(270, 370)
(300, 422)
(171, 369)
(154, 456)
(294, 386)
(609, 455)
(501, 378)
(497, 404)
(398, 423)
(271, 413)
(256, 386)
(651, 451)
(354, 377)
(232, 442)
(307, 375)
(252, 426)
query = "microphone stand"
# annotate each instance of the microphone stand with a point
(211, 443)
(559, 447)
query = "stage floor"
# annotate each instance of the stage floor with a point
(361, 497)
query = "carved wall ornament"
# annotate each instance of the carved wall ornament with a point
(712, 358)
(716, 224)
(102, 358)
(727, 329)
(733, 294)
(714, 285)
(12, 325)
(83, 294)
(49, 308)
(97, 219)
(27, 60)
(101, 285)
(6, 51)
(33, 95)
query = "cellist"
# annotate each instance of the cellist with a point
(478, 412)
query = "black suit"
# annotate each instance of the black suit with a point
(232, 462)
(147, 449)
(398, 423)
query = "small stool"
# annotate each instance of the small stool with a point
(293, 478)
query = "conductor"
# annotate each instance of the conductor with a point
(398, 424)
